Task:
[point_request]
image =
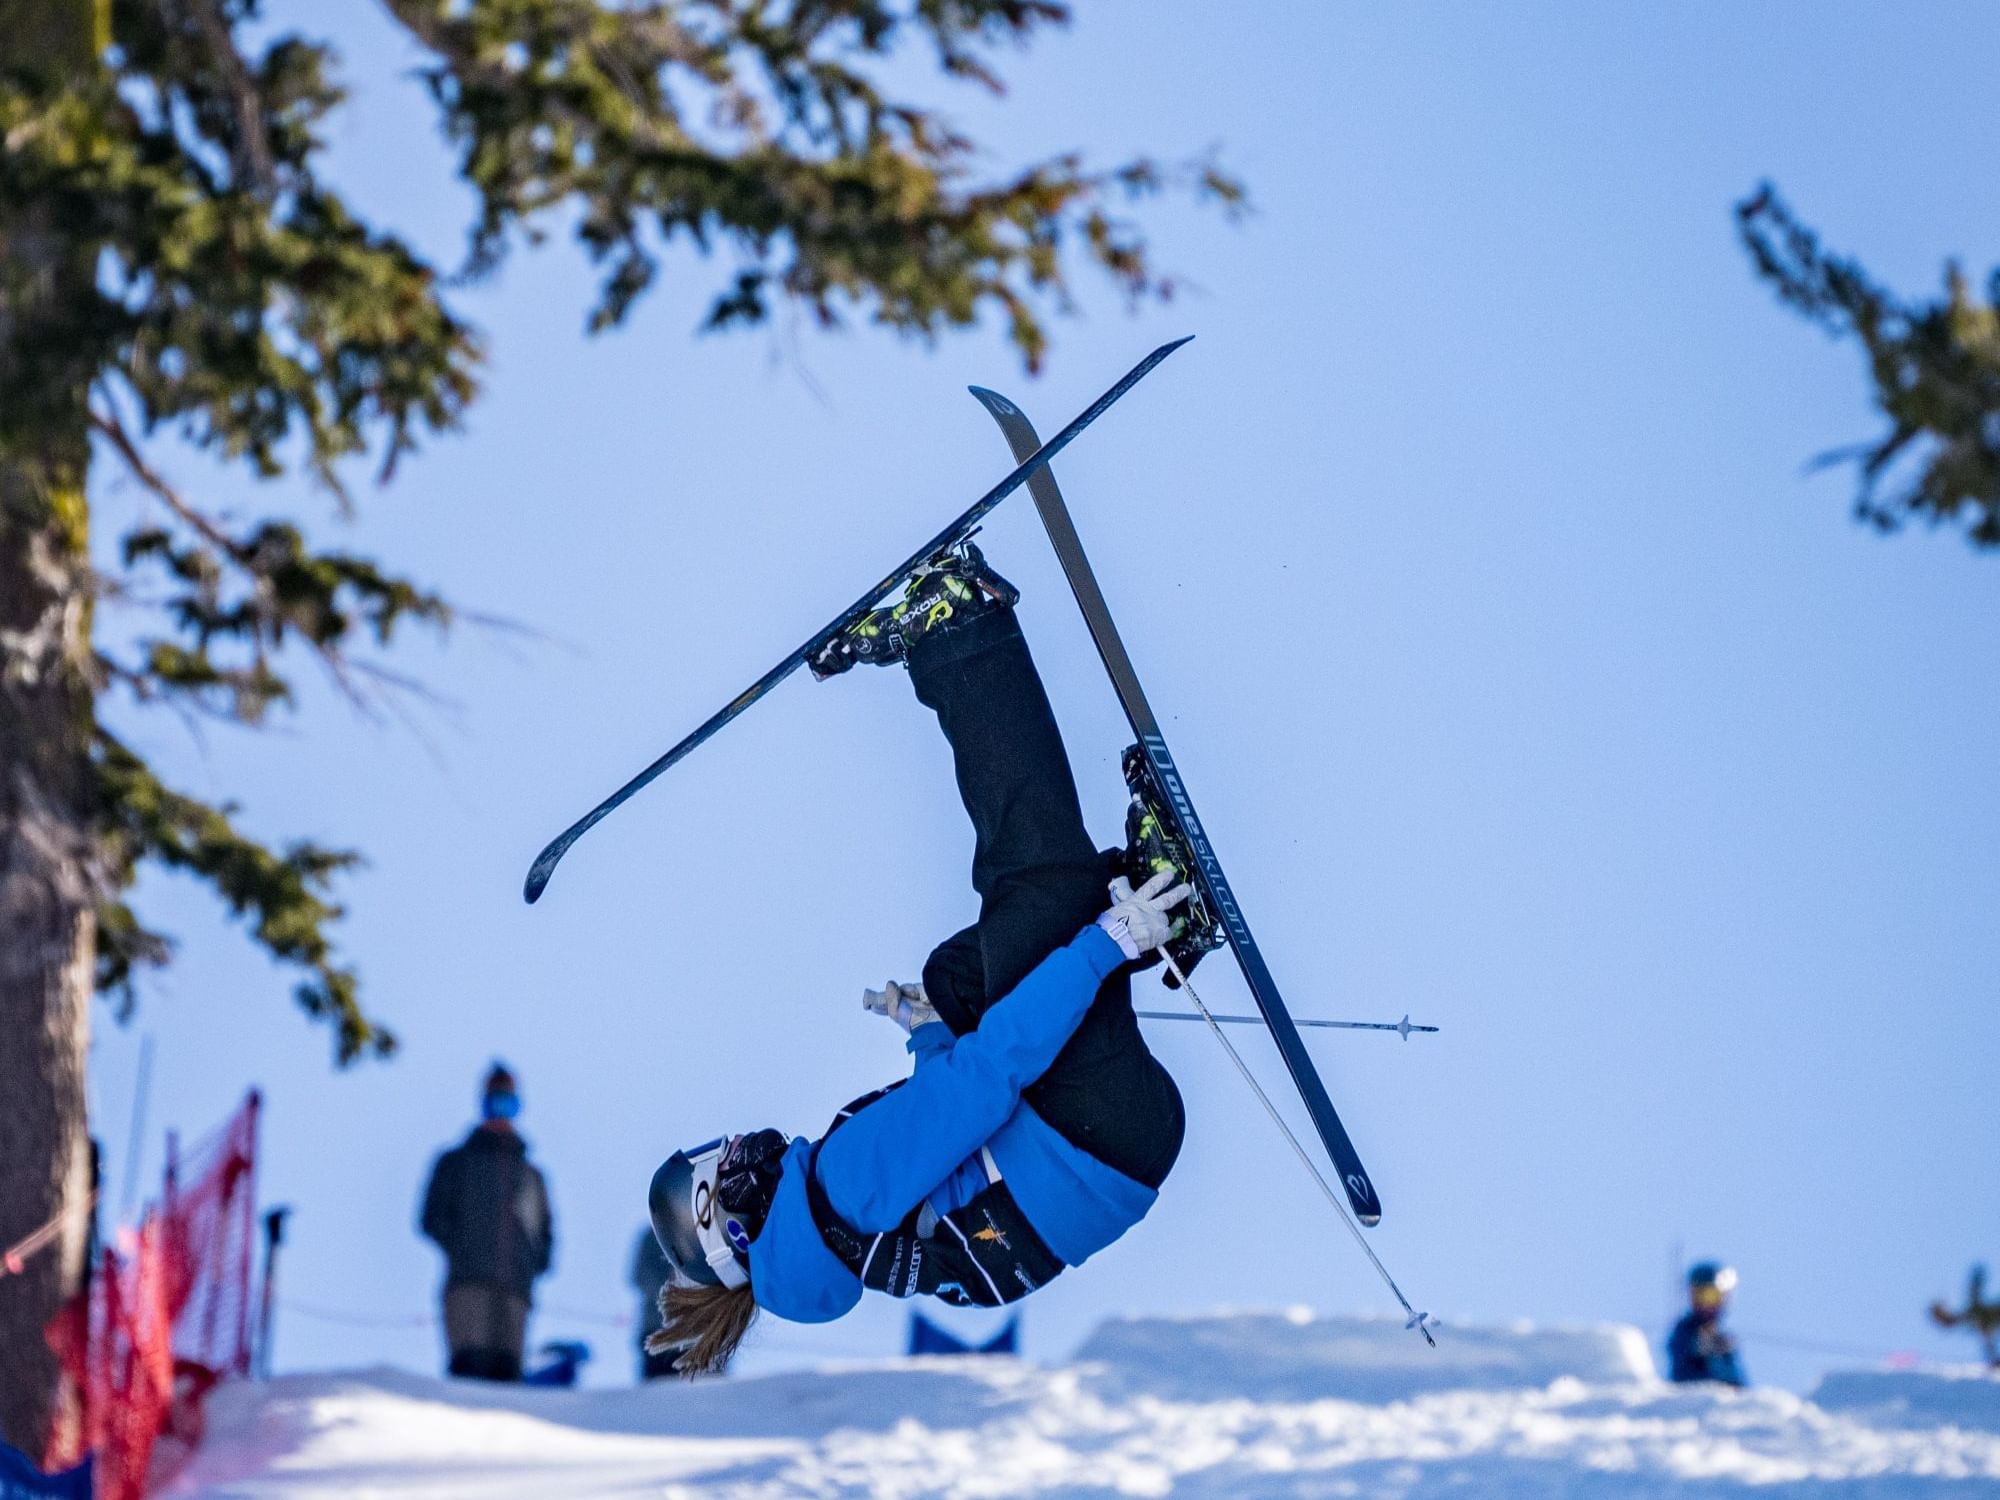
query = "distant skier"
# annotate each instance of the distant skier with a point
(650, 1270)
(487, 1208)
(1699, 1348)
(1036, 1127)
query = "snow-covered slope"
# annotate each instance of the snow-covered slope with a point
(1293, 1356)
(1968, 1397)
(1246, 1405)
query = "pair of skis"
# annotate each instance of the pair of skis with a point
(1032, 458)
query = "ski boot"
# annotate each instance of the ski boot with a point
(951, 588)
(1153, 843)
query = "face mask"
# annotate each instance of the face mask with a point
(500, 1106)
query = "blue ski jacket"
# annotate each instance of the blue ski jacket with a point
(1698, 1349)
(924, 1142)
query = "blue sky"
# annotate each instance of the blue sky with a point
(1525, 679)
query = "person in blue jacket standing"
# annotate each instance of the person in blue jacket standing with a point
(1036, 1127)
(1700, 1348)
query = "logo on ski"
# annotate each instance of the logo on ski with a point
(1210, 867)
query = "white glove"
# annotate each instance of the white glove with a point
(1138, 921)
(905, 1004)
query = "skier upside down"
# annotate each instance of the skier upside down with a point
(1036, 1127)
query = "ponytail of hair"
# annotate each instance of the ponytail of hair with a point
(705, 1323)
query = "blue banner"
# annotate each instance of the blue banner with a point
(21, 1480)
(927, 1338)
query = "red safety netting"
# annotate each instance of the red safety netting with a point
(163, 1321)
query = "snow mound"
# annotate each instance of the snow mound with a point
(1294, 1356)
(1967, 1397)
(1510, 1413)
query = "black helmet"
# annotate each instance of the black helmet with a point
(709, 1203)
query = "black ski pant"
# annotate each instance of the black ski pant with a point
(1040, 881)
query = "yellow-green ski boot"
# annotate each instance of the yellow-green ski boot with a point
(950, 589)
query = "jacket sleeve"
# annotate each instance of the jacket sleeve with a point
(440, 1204)
(884, 1161)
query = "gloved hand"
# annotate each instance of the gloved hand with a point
(1138, 921)
(905, 1004)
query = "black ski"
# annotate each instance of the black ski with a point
(545, 862)
(1020, 434)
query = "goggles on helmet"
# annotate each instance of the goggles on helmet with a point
(705, 1245)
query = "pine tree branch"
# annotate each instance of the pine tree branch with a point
(283, 895)
(1935, 368)
(834, 193)
(107, 426)
(254, 167)
(293, 593)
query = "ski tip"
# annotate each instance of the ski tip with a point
(994, 401)
(538, 875)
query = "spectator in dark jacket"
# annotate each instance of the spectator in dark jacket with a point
(487, 1208)
(1700, 1348)
(650, 1270)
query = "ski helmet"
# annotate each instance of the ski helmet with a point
(1712, 1273)
(689, 1223)
(709, 1203)
(1709, 1284)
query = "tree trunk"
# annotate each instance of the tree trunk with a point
(47, 868)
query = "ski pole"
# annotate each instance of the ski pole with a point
(1402, 1028)
(1417, 1320)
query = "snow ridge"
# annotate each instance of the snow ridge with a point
(1213, 1407)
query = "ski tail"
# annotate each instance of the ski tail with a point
(1208, 874)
